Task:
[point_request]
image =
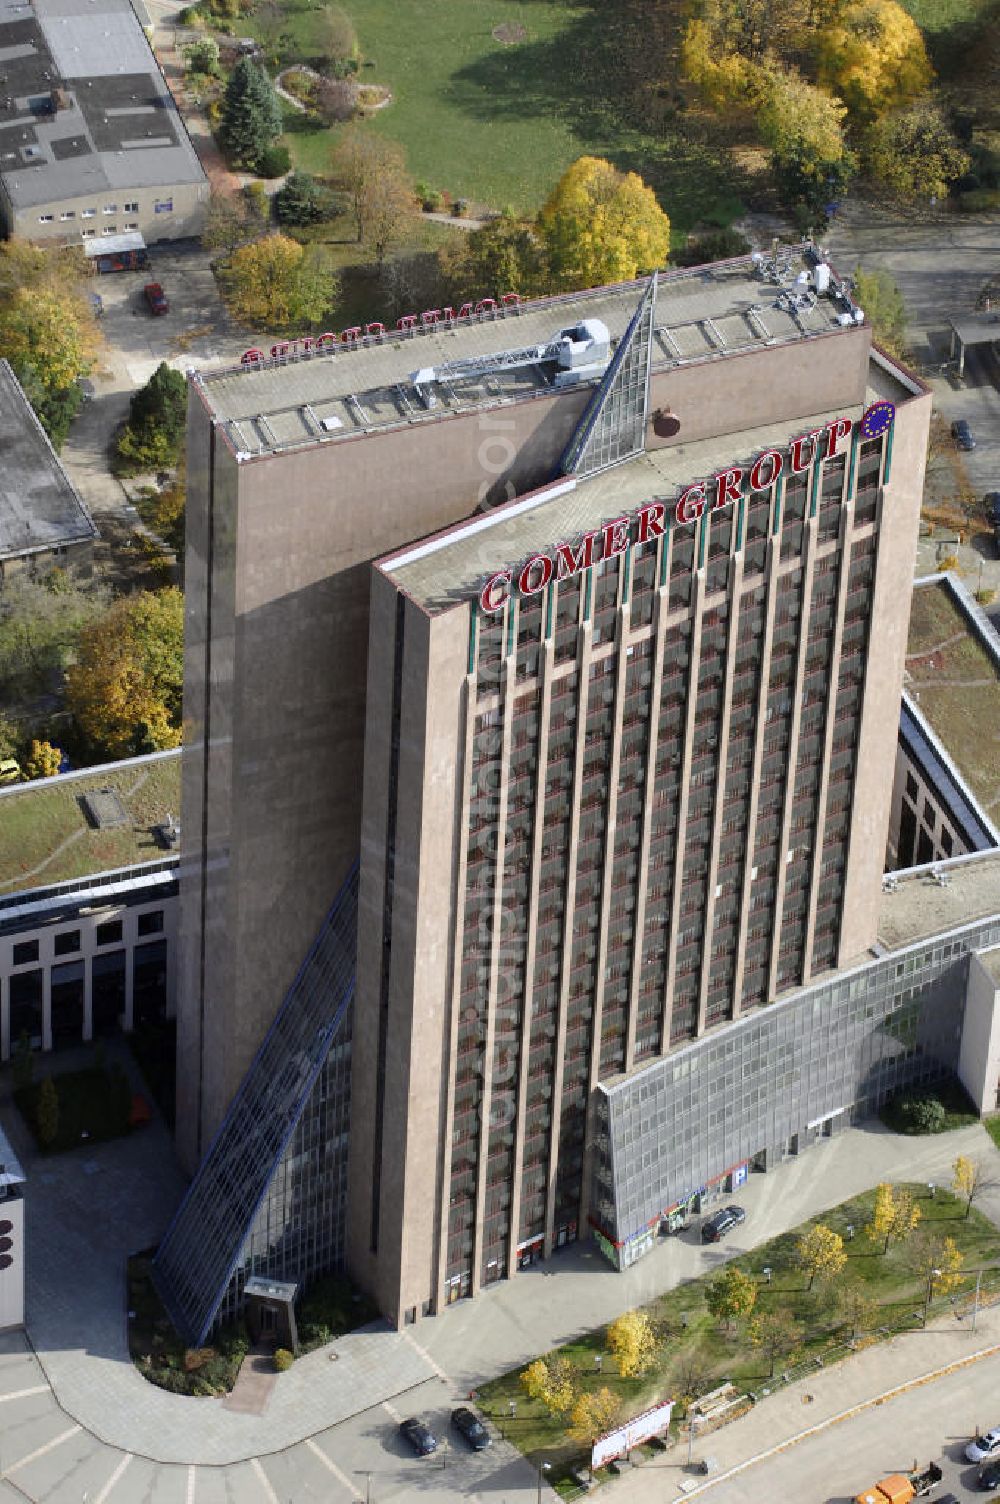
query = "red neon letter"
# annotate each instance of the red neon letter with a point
(430, 316)
(250, 357)
(495, 591)
(691, 503)
(325, 339)
(835, 431)
(352, 334)
(408, 321)
(510, 298)
(766, 469)
(373, 329)
(465, 312)
(651, 521)
(571, 563)
(486, 305)
(727, 488)
(800, 459)
(280, 349)
(615, 538)
(544, 574)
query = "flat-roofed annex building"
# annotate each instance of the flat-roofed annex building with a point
(92, 144)
(43, 520)
(658, 764)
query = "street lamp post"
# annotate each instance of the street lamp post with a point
(543, 1467)
(932, 1275)
(692, 1424)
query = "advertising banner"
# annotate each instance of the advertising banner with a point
(619, 1442)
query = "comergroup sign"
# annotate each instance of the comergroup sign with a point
(651, 521)
(619, 1443)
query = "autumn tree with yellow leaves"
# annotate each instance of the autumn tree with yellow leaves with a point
(125, 688)
(601, 225)
(894, 1216)
(594, 1412)
(871, 53)
(277, 286)
(819, 1253)
(632, 1342)
(552, 1383)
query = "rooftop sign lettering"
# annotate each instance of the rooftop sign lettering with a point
(650, 520)
(410, 323)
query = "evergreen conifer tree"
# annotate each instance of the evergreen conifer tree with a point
(251, 114)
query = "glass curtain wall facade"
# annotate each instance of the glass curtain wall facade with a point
(660, 790)
(269, 1196)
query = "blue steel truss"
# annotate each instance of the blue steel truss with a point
(613, 428)
(268, 1197)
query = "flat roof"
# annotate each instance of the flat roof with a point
(39, 506)
(952, 676)
(702, 313)
(84, 107)
(45, 836)
(443, 571)
(922, 905)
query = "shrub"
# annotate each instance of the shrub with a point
(460, 208)
(986, 597)
(47, 1113)
(979, 201)
(273, 162)
(301, 200)
(950, 561)
(24, 1062)
(335, 100)
(919, 1114)
(720, 245)
(283, 1359)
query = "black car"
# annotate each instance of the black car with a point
(989, 1476)
(962, 434)
(721, 1222)
(991, 506)
(471, 1428)
(421, 1437)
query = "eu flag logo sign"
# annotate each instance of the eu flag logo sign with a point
(877, 419)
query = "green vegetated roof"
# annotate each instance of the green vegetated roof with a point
(46, 837)
(956, 684)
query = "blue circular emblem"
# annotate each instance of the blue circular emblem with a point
(877, 419)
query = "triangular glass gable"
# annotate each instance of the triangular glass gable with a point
(614, 426)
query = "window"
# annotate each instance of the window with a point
(110, 209)
(911, 785)
(26, 951)
(132, 208)
(87, 213)
(163, 206)
(110, 230)
(68, 214)
(45, 219)
(110, 932)
(152, 923)
(67, 942)
(131, 224)
(88, 234)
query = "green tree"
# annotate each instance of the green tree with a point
(301, 200)
(803, 127)
(600, 225)
(731, 1296)
(47, 1113)
(277, 285)
(819, 1252)
(202, 56)
(153, 437)
(372, 171)
(632, 1342)
(251, 114)
(872, 54)
(47, 331)
(777, 1334)
(883, 305)
(594, 1412)
(937, 1259)
(10, 737)
(723, 77)
(125, 688)
(857, 1306)
(42, 760)
(504, 255)
(39, 629)
(894, 1215)
(915, 153)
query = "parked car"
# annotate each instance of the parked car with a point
(420, 1436)
(156, 298)
(962, 434)
(721, 1222)
(989, 1476)
(471, 1428)
(984, 1448)
(10, 770)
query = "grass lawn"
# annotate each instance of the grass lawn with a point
(992, 1126)
(696, 1354)
(45, 836)
(497, 124)
(959, 1111)
(90, 1109)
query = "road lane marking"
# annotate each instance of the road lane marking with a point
(391, 1410)
(189, 1494)
(49, 1446)
(337, 1472)
(119, 1470)
(423, 1353)
(23, 1394)
(264, 1481)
